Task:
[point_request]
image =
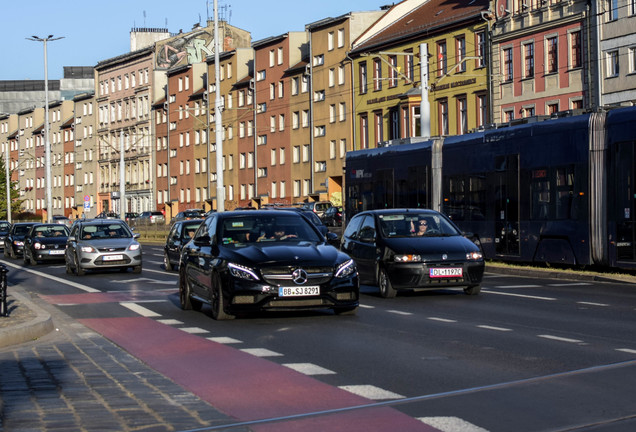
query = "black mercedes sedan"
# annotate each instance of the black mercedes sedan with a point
(261, 260)
(412, 249)
(45, 242)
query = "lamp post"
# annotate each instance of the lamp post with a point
(47, 143)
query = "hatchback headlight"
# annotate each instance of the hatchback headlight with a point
(88, 249)
(134, 247)
(242, 272)
(407, 258)
(18, 243)
(474, 256)
(346, 269)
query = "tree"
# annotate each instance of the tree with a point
(16, 202)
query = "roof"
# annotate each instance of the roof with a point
(422, 20)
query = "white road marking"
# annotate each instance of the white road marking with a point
(54, 278)
(143, 279)
(371, 392)
(569, 284)
(224, 340)
(399, 312)
(593, 304)
(627, 350)
(261, 352)
(139, 309)
(560, 339)
(193, 330)
(519, 295)
(516, 286)
(442, 320)
(170, 321)
(163, 272)
(451, 424)
(365, 306)
(309, 369)
(487, 327)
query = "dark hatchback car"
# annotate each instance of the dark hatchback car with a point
(5, 226)
(332, 216)
(412, 249)
(14, 241)
(45, 242)
(181, 233)
(242, 262)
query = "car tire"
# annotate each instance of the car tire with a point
(185, 293)
(79, 271)
(346, 310)
(32, 260)
(217, 301)
(166, 262)
(384, 283)
(473, 289)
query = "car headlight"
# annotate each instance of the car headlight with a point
(474, 256)
(406, 258)
(18, 243)
(88, 249)
(346, 269)
(242, 272)
(134, 247)
(39, 246)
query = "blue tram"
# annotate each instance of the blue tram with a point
(551, 190)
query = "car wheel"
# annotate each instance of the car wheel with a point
(346, 311)
(185, 299)
(386, 289)
(473, 289)
(79, 271)
(32, 260)
(137, 269)
(166, 262)
(217, 301)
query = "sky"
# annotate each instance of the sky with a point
(94, 30)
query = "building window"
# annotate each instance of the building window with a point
(377, 74)
(443, 117)
(575, 50)
(527, 111)
(481, 48)
(612, 10)
(631, 52)
(260, 75)
(319, 95)
(507, 65)
(462, 113)
(272, 58)
(482, 110)
(342, 114)
(552, 53)
(363, 77)
(280, 56)
(508, 115)
(319, 60)
(442, 60)
(393, 73)
(341, 38)
(330, 41)
(321, 166)
(364, 131)
(528, 60)
(295, 81)
(612, 64)
(552, 108)
(408, 65)
(460, 45)
(576, 104)
(341, 75)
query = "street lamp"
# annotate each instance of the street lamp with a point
(47, 143)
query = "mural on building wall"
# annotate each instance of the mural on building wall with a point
(187, 49)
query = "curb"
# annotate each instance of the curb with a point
(41, 325)
(557, 274)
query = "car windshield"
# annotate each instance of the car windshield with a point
(415, 224)
(50, 231)
(106, 231)
(21, 229)
(266, 229)
(5, 226)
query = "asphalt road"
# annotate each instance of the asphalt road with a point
(527, 354)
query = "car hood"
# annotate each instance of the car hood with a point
(51, 240)
(455, 247)
(305, 253)
(109, 243)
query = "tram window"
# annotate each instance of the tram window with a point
(552, 193)
(540, 193)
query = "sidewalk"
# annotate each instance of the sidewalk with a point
(58, 375)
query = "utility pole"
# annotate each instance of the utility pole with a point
(218, 122)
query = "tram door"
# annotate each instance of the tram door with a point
(506, 184)
(625, 202)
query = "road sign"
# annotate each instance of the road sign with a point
(87, 205)
(87, 197)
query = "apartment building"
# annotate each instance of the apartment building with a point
(331, 104)
(616, 71)
(272, 58)
(60, 135)
(84, 149)
(539, 58)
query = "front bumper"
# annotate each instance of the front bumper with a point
(93, 261)
(417, 275)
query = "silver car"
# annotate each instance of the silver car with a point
(96, 244)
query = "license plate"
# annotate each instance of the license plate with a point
(113, 257)
(298, 291)
(442, 272)
(57, 252)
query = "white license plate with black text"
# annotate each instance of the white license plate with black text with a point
(113, 257)
(442, 272)
(57, 252)
(298, 291)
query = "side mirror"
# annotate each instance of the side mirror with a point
(204, 240)
(136, 235)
